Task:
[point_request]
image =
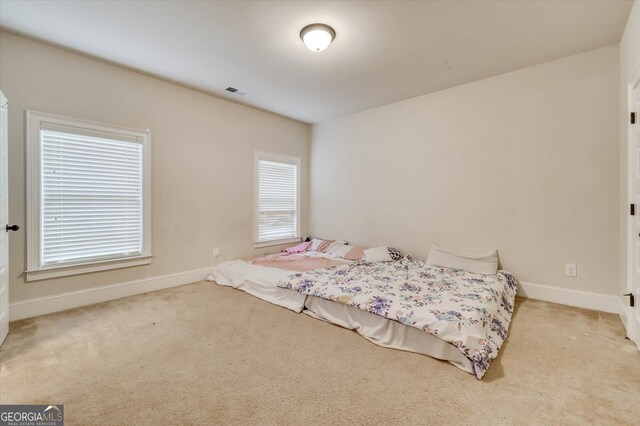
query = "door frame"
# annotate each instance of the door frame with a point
(4, 315)
(633, 330)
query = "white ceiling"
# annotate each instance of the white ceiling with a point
(384, 51)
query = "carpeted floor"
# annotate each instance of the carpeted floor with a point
(204, 354)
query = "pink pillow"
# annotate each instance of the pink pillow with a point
(355, 253)
(324, 245)
(299, 248)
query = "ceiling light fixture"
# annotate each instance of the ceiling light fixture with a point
(317, 37)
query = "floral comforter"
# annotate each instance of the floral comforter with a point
(470, 311)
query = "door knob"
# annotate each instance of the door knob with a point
(12, 228)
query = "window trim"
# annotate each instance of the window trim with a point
(35, 271)
(281, 158)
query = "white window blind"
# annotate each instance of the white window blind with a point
(277, 198)
(91, 198)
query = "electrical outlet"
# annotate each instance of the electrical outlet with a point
(570, 270)
(216, 252)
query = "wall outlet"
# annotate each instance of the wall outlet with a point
(216, 252)
(570, 270)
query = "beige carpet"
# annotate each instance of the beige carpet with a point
(204, 354)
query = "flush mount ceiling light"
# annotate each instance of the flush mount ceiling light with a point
(317, 37)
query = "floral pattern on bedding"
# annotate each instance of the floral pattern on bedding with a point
(470, 311)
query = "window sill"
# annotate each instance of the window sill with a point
(276, 242)
(86, 268)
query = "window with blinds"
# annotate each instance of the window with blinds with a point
(88, 196)
(91, 198)
(277, 198)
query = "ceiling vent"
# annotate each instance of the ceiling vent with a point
(235, 91)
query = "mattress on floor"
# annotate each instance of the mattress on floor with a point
(384, 332)
(259, 281)
(259, 275)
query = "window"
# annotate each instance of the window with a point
(277, 195)
(89, 196)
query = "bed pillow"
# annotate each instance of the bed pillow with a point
(355, 253)
(395, 254)
(315, 243)
(336, 245)
(377, 254)
(302, 247)
(342, 251)
(322, 248)
(475, 262)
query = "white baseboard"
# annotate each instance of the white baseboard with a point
(578, 298)
(60, 302)
(73, 299)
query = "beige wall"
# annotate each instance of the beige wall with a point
(202, 157)
(526, 162)
(629, 66)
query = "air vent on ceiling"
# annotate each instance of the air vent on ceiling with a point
(235, 91)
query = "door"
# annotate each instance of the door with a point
(4, 220)
(633, 312)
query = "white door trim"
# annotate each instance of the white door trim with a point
(4, 217)
(627, 316)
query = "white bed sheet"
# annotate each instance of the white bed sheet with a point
(384, 332)
(259, 281)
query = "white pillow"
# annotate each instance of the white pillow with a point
(337, 244)
(377, 254)
(341, 251)
(315, 243)
(474, 262)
